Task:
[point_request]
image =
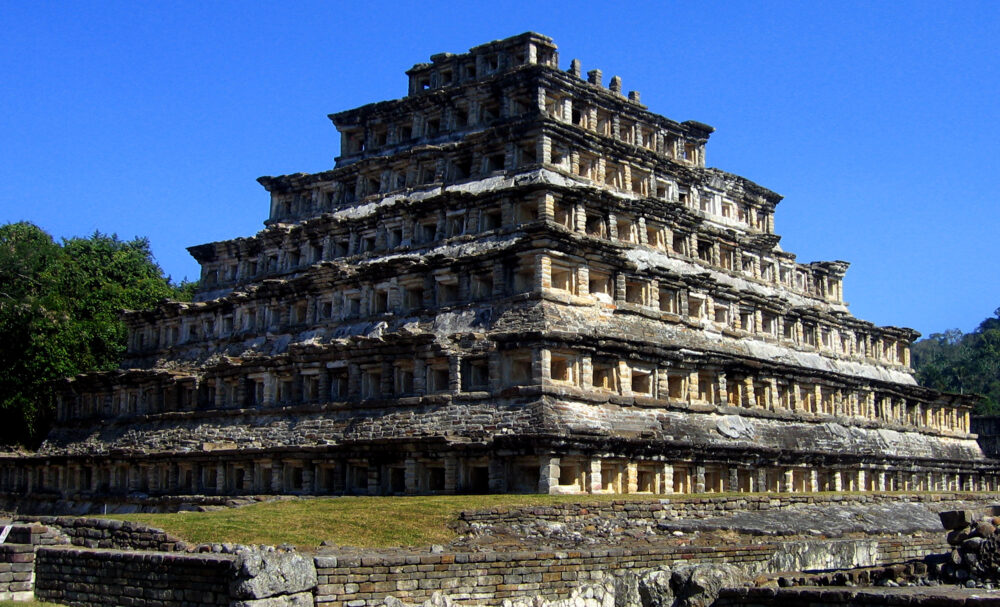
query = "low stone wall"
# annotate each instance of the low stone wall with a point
(17, 567)
(55, 504)
(17, 559)
(250, 577)
(702, 507)
(97, 577)
(365, 580)
(108, 533)
(85, 577)
(33, 535)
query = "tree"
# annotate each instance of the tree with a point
(967, 363)
(31, 314)
(100, 276)
(59, 309)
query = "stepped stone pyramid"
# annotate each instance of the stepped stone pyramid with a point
(514, 279)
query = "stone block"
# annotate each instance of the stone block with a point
(985, 529)
(267, 573)
(956, 519)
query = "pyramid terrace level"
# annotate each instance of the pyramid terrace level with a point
(512, 279)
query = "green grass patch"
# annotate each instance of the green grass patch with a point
(367, 522)
(28, 604)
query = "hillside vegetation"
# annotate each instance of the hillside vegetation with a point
(965, 363)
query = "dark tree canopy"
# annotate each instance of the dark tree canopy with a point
(968, 363)
(59, 306)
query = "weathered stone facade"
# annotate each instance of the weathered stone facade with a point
(514, 279)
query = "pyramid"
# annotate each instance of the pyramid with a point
(514, 279)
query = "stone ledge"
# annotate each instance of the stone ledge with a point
(129, 555)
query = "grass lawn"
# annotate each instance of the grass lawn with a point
(28, 604)
(369, 522)
(365, 522)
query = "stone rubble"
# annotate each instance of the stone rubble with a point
(975, 556)
(578, 525)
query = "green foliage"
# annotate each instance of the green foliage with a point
(968, 363)
(31, 314)
(59, 307)
(184, 291)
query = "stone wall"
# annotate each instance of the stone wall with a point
(108, 533)
(58, 561)
(702, 507)
(32, 534)
(97, 577)
(86, 578)
(365, 580)
(301, 425)
(17, 559)
(17, 565)
(250, 577)
(36, 505)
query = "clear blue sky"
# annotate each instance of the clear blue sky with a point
(877, 121)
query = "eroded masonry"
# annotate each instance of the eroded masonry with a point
(514, 279)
